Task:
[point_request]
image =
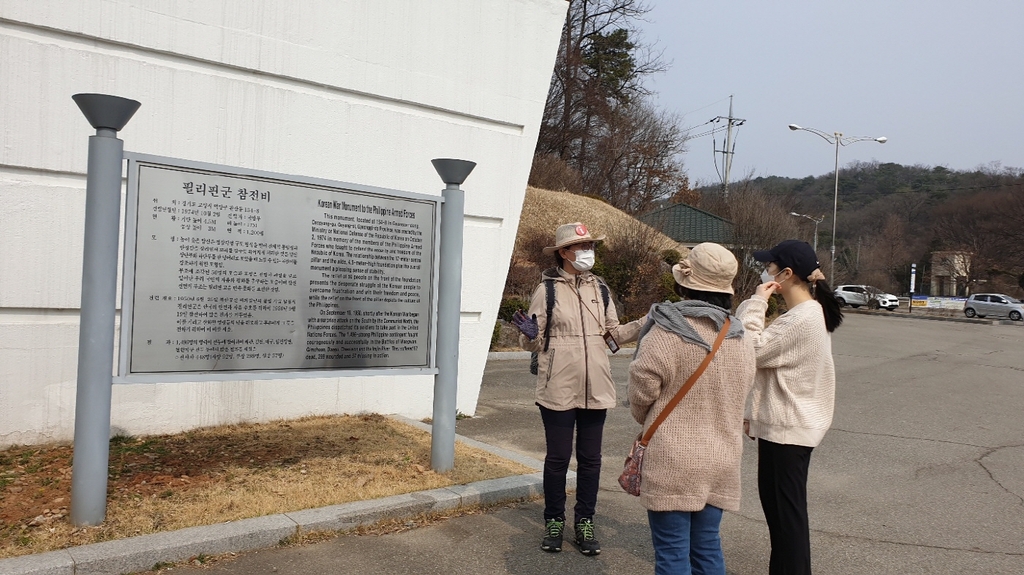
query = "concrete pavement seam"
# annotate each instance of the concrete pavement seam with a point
(992, 475)
(827, 533)
(910, 315)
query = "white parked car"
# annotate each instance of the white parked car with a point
(862, 295)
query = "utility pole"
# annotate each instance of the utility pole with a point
(729, 147)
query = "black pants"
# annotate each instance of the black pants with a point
(782, 487)
(558, 432)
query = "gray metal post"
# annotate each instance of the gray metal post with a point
(108, 114)
(913, 279)
(449, 310)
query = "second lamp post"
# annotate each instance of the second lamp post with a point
(816, 222)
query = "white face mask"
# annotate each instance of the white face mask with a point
(767, 277)
(584, 260)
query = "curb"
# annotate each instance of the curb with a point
(141, 553)
(933, 318)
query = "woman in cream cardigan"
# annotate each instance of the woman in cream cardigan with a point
(692, 463)
(794, 392)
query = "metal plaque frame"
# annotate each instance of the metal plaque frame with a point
(142, 364)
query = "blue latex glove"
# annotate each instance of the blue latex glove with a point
(526, 325)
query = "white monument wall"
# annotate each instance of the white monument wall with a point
(360, 91)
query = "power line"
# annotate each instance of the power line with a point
(708, 106)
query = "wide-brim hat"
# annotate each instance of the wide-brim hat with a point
(796, 255)
(708, 267)
(569, 234)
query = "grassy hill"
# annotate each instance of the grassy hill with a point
(545, 210)
(631, 259)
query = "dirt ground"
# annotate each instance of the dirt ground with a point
(226, 473)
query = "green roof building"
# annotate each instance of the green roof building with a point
(690, 226)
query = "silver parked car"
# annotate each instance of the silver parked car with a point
(995, 304)
(873, 298)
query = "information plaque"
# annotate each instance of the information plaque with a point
(236, 274)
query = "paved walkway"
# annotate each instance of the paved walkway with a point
(922, 472)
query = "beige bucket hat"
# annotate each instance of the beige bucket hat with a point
(569, 234)
(708, 267)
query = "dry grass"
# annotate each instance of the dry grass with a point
(226, 473)
(544, 210)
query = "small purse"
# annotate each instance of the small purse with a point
(632, 471)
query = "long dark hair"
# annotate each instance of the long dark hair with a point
(829, 305)
(722, 300)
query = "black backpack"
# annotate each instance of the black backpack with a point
(549, 296)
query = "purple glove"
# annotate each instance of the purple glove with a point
(527, 325)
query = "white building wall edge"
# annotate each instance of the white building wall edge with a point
(360, 91)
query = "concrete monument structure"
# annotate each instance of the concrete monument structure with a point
(355, 91)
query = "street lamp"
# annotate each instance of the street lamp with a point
(816, 222)
(836, 139)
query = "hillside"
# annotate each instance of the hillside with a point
(545, 210)
(631, 259)
(890, 216)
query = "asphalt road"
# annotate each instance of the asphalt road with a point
(922, 472)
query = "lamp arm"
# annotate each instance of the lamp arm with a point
(830, 138)
(846, 141)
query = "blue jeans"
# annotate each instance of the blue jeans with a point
(687, 542)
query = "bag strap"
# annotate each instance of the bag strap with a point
(686, 386)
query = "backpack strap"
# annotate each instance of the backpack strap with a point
(605, 294)
(549, 294)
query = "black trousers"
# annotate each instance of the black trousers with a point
(558, 433)
(782, 487)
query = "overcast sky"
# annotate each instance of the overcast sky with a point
(941, 79)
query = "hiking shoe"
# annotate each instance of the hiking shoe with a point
(553, 535)
(585, 538)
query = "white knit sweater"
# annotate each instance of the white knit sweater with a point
(795, 386)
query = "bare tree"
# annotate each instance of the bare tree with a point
(550, 172)
(636, 163)
(598, 119)
(885, 255)
(631, 265)
(760, 221)
(598, 64)
(969, 230)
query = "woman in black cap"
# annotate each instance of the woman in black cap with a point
(791, 403)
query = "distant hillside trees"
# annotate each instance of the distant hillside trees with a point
(760, 220)
(892, 215)
(600, 135)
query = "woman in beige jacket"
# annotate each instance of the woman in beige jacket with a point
(692, 463)
(574, 380)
